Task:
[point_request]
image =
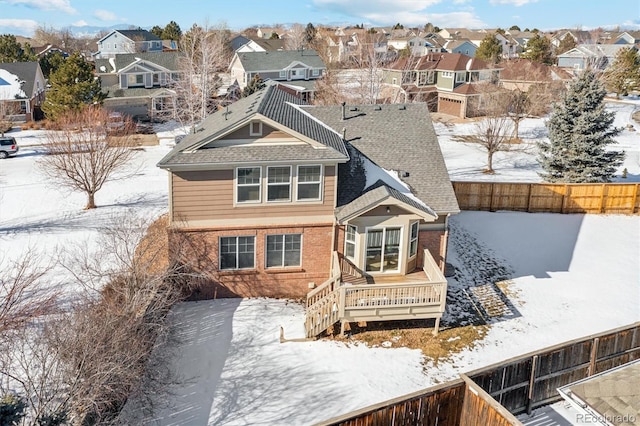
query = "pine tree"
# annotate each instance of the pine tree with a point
(490, 49)
(579, 131)
(539, 50)
(73, 85)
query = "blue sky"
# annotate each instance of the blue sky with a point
(21, 17)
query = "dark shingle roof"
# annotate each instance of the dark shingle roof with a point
(394, 137)
(373, 196)
(26, 71)
(278, 60)
(168, 60)
(272, 103)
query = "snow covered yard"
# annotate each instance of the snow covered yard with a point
(560, 277)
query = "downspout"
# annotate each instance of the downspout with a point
(446, 243)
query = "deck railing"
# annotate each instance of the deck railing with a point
(334, 301)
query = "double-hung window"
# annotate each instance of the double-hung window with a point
(309, 182)
(279, 183)
(413, 239)
(284, 250)
(350, 242)
(237, 252)
(460, 77)
(248, 184)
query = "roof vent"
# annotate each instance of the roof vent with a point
(404, 174)
(377, 108)
(353, 109)
(402, 107)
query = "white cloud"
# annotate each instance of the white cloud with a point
(23, 27)
(375, 7)
(62, 5)
(80, 23)
(513, 2)
(406, 12)
(105, 15)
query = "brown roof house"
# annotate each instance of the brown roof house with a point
(446, 81)
(344, 206)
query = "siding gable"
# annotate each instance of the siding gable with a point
(268, 135)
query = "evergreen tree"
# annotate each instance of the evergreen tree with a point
(579, 131)
(51, 62)
(256, 83)
(72, 86)
(10, 49)
(171, 32)
(156, 30)
(623, 75)
(490, 49)
(566, 44)
(310, 33)
(514, 28)
(539, 50)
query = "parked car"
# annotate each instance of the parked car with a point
(8, 146)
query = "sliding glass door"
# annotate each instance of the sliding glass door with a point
(383, 249)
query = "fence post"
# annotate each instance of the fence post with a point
(602, 198)
(491, 196)
(593, 357)
(565, 197)
(635, 198)
(532, 382)
(529, 197)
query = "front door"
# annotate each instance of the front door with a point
(383, 250)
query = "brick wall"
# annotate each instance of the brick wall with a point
(199, 249)
(435, 242)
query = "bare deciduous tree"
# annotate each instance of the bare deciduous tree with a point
(205, 54)
(295, 38)
(493, 133)
(22, 295)
(86, 154)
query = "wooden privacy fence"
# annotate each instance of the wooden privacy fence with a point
(601, 198)
(530, 381)
(495, 394)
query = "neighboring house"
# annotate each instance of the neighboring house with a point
(579, 36)
(41, 51)
(273, 197)
(464, 47)
(444, 80)
(297, 69)
(521, 74)
(128, 41)
(628, 37)
(596, 56)
(139, 84)
(22, 91)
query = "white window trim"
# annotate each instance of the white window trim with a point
(447, 74)
(460, 74)
(316, 72)
(259, 132)
(320, 182)
(236, 185)
(411, 240)
(281, 266)
(237, 253)
(283, 73)
(400, 251)
(288, 200)
(347, 241)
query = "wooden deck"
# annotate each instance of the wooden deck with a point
(350, 296)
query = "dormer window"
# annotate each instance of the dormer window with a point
(283, 74)
(460, 77)
(255, 128)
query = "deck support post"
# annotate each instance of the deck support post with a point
(343, 325)
(435, 329)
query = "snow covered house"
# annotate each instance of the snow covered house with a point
(22, 91)
(347, 206)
